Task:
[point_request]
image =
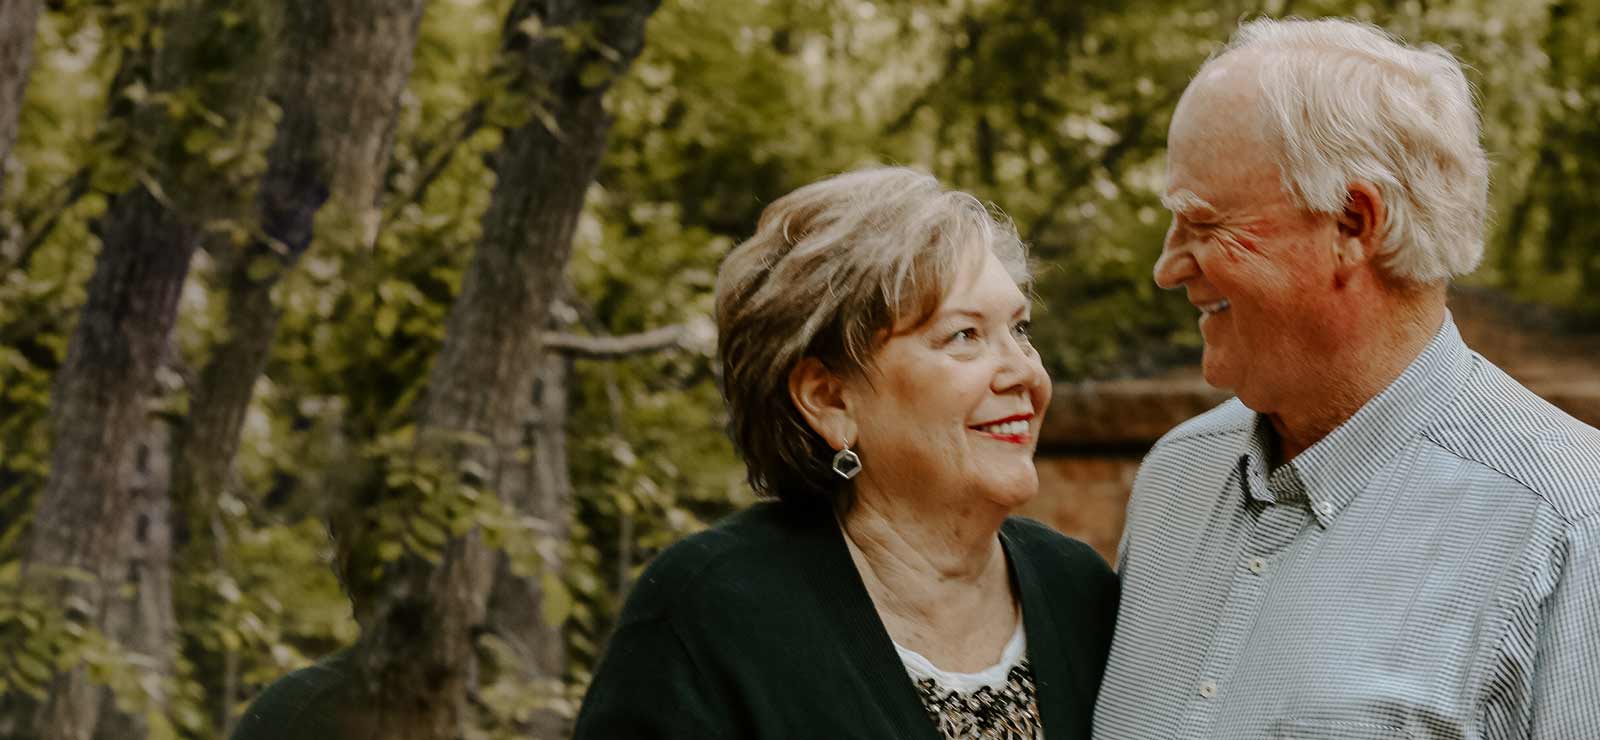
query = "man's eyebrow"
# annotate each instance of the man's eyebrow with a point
(1185, 202)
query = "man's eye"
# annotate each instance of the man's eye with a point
(964, 335)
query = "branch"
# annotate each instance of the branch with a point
(38, 227)
(614, 348)
(1127, 137)
(442, 153)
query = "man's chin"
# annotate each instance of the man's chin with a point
(1215, 371)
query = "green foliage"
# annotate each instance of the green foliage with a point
(1056, 112)
(44, 638)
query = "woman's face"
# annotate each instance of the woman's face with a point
(950, 413)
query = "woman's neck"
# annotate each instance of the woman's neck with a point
(940, 583)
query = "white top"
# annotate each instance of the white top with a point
(994, 676)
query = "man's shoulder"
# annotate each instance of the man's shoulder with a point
(1511, 432)
(1197, 455)
(1201, 439)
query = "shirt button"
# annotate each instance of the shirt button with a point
(1208, 689)
(1326, 507)
(1257, 565)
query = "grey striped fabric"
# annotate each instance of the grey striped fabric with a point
(1431, 569)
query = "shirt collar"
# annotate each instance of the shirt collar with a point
(1330, 473)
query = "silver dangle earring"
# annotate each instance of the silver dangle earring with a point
(846, 463)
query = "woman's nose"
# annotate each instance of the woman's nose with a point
(1020, 368)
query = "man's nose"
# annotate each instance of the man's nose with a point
(1176, 265)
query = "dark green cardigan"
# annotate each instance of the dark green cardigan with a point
(761, 628)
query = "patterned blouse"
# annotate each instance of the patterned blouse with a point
(996, 703)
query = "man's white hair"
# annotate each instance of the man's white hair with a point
(1348, 101)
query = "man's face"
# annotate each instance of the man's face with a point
(1259, 268)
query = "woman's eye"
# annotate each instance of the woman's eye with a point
(1023, 329)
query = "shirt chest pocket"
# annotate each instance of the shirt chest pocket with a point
(1302, 729)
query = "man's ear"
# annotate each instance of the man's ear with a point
(1360, 228)
(820, 396)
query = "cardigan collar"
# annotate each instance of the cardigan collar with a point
(824, 558)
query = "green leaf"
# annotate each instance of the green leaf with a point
(555, 603)
(388, 317)
(594, 74)
(113, 176)
(32, 669)
(263, 267)
(428, 532)
(389, 551)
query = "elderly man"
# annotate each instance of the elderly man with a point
(1383, 535)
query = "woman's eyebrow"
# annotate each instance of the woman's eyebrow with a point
(973, 313)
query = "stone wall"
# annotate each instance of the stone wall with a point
(1084, 496)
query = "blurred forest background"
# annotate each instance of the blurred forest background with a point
(313, 310)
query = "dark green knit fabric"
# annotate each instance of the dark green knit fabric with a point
(761, 628)
(309, 704)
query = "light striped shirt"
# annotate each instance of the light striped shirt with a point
(1431, 569)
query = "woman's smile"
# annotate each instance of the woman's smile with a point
(1013, 429)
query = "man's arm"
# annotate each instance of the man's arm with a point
(1566, 681)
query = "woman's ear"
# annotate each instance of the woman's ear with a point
(819, 394)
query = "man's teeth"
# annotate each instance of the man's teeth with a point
(1217, 307)
(1009, 428)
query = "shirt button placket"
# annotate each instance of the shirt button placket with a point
(1274, 532)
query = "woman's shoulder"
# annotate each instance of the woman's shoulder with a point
(739, 557)
(1054, 553)
(1068, 576)
(1037, 536)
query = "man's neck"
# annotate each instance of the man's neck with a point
(1372, 361)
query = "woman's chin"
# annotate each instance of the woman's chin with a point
(1010, 494)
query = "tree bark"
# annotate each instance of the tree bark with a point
(147, 236)
(97, 414)
(338, 86)
(142, 621)
(417, 654)
(541, 488)
(18, 19)
(339, 90)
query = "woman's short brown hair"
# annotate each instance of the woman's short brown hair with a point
(832, 268)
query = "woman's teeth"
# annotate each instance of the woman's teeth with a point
(1006, 429)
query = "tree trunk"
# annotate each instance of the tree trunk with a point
(147, 235)
(97, 415)
(541, 488)
(17, 21)
(417, 654)
(142, 621)
(338, 87)
(339, 91)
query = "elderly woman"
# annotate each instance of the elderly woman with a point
(883, 390)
